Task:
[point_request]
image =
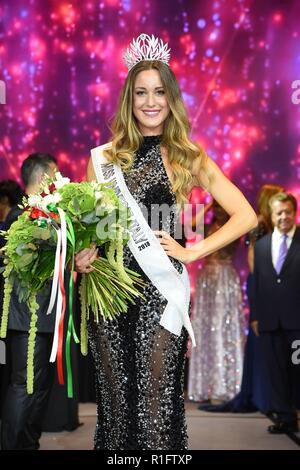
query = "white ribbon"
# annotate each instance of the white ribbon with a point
(148, 252)
(59, 264)
(56, 271)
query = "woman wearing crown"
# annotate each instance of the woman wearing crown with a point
(151, 161)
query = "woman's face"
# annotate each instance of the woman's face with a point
(150, 106)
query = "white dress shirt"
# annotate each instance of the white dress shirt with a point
(276, 242)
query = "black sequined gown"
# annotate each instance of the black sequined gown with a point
(139, 364)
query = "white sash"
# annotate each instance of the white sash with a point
(148, 252)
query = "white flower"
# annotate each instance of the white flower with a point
(59, 184)
(58, 175)
(98, 195)
(34, 200)
(107, 206)
(49, 199)
(56, 197)
(60, 181)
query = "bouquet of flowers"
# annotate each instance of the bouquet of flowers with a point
(55, 224)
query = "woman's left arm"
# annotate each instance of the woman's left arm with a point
(242, 216)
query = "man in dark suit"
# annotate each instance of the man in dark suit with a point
(276, 308)
(22, 414)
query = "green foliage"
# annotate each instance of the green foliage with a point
(30, 247)
(94, 214)
(87, 211)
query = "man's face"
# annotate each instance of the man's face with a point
(35, 187)
(283, 216)
(52, 168)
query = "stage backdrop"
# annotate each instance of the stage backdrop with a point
(61, 71)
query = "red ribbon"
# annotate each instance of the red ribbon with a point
(53, 215)
(61, 327)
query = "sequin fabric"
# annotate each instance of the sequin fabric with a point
(215, 367)
(139, 364)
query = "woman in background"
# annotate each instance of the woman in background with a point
(215, 368)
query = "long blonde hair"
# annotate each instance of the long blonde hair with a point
(127, 137)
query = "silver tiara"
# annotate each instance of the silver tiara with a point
(146, 48)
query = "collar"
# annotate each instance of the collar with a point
(290, 234)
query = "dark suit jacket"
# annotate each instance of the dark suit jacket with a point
(19, 315)
(276, 298)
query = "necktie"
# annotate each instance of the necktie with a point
(283, 249)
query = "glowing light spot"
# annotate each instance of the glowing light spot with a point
(37, 48)
(277, 17)
(213, 35)
(201, 23)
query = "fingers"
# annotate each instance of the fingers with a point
(88, 270)
(162, 234)
(85, 258)
(165, 240)
(86, 252)
(92, 255)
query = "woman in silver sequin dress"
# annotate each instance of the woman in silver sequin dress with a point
(140, 364)
(215, 368)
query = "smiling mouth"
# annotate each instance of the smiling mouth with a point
(151, 113)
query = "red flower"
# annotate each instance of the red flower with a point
(51, 188)
(36, 213)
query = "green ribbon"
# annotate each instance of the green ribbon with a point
(52, 207)
(41, 223)
(71, 328)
